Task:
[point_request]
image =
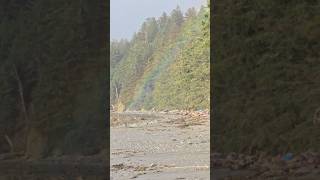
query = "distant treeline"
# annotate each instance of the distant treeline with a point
(165, 65)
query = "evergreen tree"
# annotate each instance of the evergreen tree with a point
(166, 65)
(53, 73)
(265, 78)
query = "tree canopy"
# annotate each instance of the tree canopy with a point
(165, 65)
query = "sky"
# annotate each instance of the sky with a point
(126, 16)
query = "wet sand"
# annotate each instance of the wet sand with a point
(160, 146)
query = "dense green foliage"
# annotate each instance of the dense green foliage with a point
(266, 75)
(53, 74)
(165, 65)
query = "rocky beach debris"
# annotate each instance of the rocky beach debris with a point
(263, 166)
(160, 145)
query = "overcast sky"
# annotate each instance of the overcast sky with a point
(128, 15)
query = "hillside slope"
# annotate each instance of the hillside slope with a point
(165, 65)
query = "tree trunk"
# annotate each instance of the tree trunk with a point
(23, 104)
(10, 143)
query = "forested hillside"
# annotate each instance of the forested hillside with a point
(52, 77)
(165, 65)
(266, 74)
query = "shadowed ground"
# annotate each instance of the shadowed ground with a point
(85, 168)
